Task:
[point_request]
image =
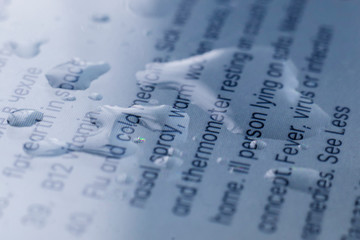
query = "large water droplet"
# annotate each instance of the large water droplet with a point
(24, 118)
(26, 49)
(76, 74)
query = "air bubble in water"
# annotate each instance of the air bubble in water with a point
(26, 49)
(76, 74)
(24, 118)
(95, 96)
(100, 18)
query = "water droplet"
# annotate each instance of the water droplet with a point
(258, 144)
(96, 145)
(120, 194)
(302, 179)
(175, 75)
(154, 101)
(3, 9)
(95, 96)
(221, 161)
(139, 140)
(149, 8)
(104, 141)
(24, 118)
(150, 117)
(26, 49)
(202, 72)
(123, 178)
(76, 74)
(147, 33)
(69, 98)
(100, 18)
(303, 146)
(47, 147)
(168, 162)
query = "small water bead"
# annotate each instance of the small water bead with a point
(150, 117)
(258, 144)
(149, 8)
(76, 74)
(69, 98)
(100, 18)
(47, 148)
(154, 101)
(24, 118)
(123, 178)
(95, 96)
(120, 194)
(139, 140)
(303, 146)
(299, 178)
